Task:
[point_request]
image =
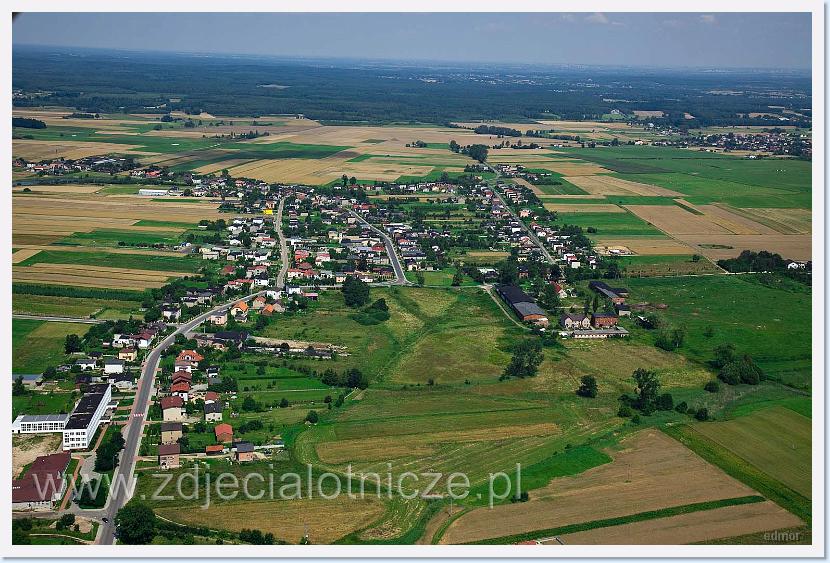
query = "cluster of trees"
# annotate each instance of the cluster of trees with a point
(476, 152)
(135, 523)
(734, 368)
(648, 397)
(376, 313)
(27, 123)
(750, 261)
(349, 378)
(496, 130)
(106, 456)
(256, 537)
(670, 339)
(526, 359)
(355, 292)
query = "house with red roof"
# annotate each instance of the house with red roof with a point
(224, 432)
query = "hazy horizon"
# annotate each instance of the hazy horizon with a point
(653, 40)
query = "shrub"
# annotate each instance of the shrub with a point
(702, 414)
(625, 411)
(664, 402)
(712, 386)
(681, 407)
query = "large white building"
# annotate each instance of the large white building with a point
(39, 423)
(82, 424)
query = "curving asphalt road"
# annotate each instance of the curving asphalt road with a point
(283, 248)
(135, 426)
(400, 277)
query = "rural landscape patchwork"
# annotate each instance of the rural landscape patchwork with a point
(268, 301)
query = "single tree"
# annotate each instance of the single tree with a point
(587, 387)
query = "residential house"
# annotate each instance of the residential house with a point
(181, 389)
(123, 382)
(169, 456)
(191, 356)
(213, 412)
(113, 366)
(219, 318)
(170, 432)
(128, 354)
(574, 321)
(214, 449)
(172, 409)
(211, 397)
(85, 363)
(239, 311)
(224, 432)
(244, 452)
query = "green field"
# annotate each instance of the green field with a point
(172, 263)
(112, 237)
(620, 225)
(37, 345)
(772, 325)
(70, 306)
(43, 403)
(776, 440)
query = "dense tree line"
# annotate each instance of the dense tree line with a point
(361, 93)
(27, 123)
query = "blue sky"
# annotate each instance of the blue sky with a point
(662, 40)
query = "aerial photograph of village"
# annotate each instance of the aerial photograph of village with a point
(371, 287)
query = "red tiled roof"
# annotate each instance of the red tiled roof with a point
(171, 402)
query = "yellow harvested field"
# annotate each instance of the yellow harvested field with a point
(584, 125)
(675, 220)
(726, 522)
(324, 520)
(733, 222)
(324, 170)
(120, 209)
(390, 447)
(651, 472)
(144, 251)
(584, 208)
(60, 189)
(92, 276)
(646, 246)
(23, 254)
(784, 221)
(793, 247)
(217, 166)
(611, 185)
(565, 197)
(41, 150)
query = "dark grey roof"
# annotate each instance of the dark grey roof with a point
(213, 407)
(526, 309)
(244, 447)
(171, 426)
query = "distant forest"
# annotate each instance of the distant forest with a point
(101, 82)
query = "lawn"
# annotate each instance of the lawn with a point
(37, 345)
(43, 403)
(440, 278)
(772, 325)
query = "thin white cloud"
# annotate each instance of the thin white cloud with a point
(708, 19)
(597, 17)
